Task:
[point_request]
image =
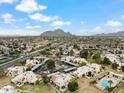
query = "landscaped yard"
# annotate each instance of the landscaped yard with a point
(85, 87)
(4, 81)
(120, 89)
(38, 88)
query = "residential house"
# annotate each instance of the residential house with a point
(60, 80)
(26, 77)
(9, 89)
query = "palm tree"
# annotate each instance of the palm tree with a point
(111, 82)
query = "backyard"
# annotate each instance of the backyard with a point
(120, 89)
(27, 88)
(4, 81)
(38, 88)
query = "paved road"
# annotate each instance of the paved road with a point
(9, 63)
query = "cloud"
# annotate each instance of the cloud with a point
(8, 18)
(92, 31)
(32, 26)
(18, 32)
(122, 16)
(7, 1)
(60, 23)
(82, 22)
(43, 18)
(30, 6)
(98, 29)
(113, 23)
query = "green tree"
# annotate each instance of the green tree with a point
(115, 66)
(90, 74)
(45, 52)
(106, 61)
(46, 79)
(73, 86)
(50, 64)
(75, 46)
(84, 54)
(122, 68)
(2, 73)
(71, 53)
(29, 67)
(96, 56)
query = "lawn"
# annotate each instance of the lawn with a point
(120, 89)
(84, 86)
(38, 88)
(4, 81)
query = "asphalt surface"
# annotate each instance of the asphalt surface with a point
(11, 63)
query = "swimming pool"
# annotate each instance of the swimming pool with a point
(105, 84)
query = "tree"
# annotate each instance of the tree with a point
(61, 51)
(50, 64)
(2, 73)
(75, 46)
(93, 82)
(73, 86)
(110, 82)
(17, 52)
(84, 54)
(90, 74)
(106, 61)
(115, 66)
(46, 79)
(29, 67)
(122, 68)
(82, 64)
(96, 56)
(71, 53)
(45, 52)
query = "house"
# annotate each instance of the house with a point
(26, 77)
(14, 71)
(9, 89)
(113, 58)
(74, 59)
(91, 69)
(60, 80)
(116, 59)
(33, 62)
(110, 80)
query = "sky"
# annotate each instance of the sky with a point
(80, 17)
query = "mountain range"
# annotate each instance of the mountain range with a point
(118, 34)
(56, 33)
(61, 33)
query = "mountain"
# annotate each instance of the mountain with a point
(120, 33)
(56, 33)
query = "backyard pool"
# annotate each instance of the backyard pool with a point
(105, 83)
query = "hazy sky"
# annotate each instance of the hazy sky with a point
(81, 17)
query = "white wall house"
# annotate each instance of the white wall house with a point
(26, 77)
(14, 71)
(33, 62)
(110, 80)
(60, 80)
(9, 89)
(113, 58)
(84, 70)
(74, 59)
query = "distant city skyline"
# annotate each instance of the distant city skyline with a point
(80, 17)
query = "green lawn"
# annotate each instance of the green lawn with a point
(120, 89)
(38, 88)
